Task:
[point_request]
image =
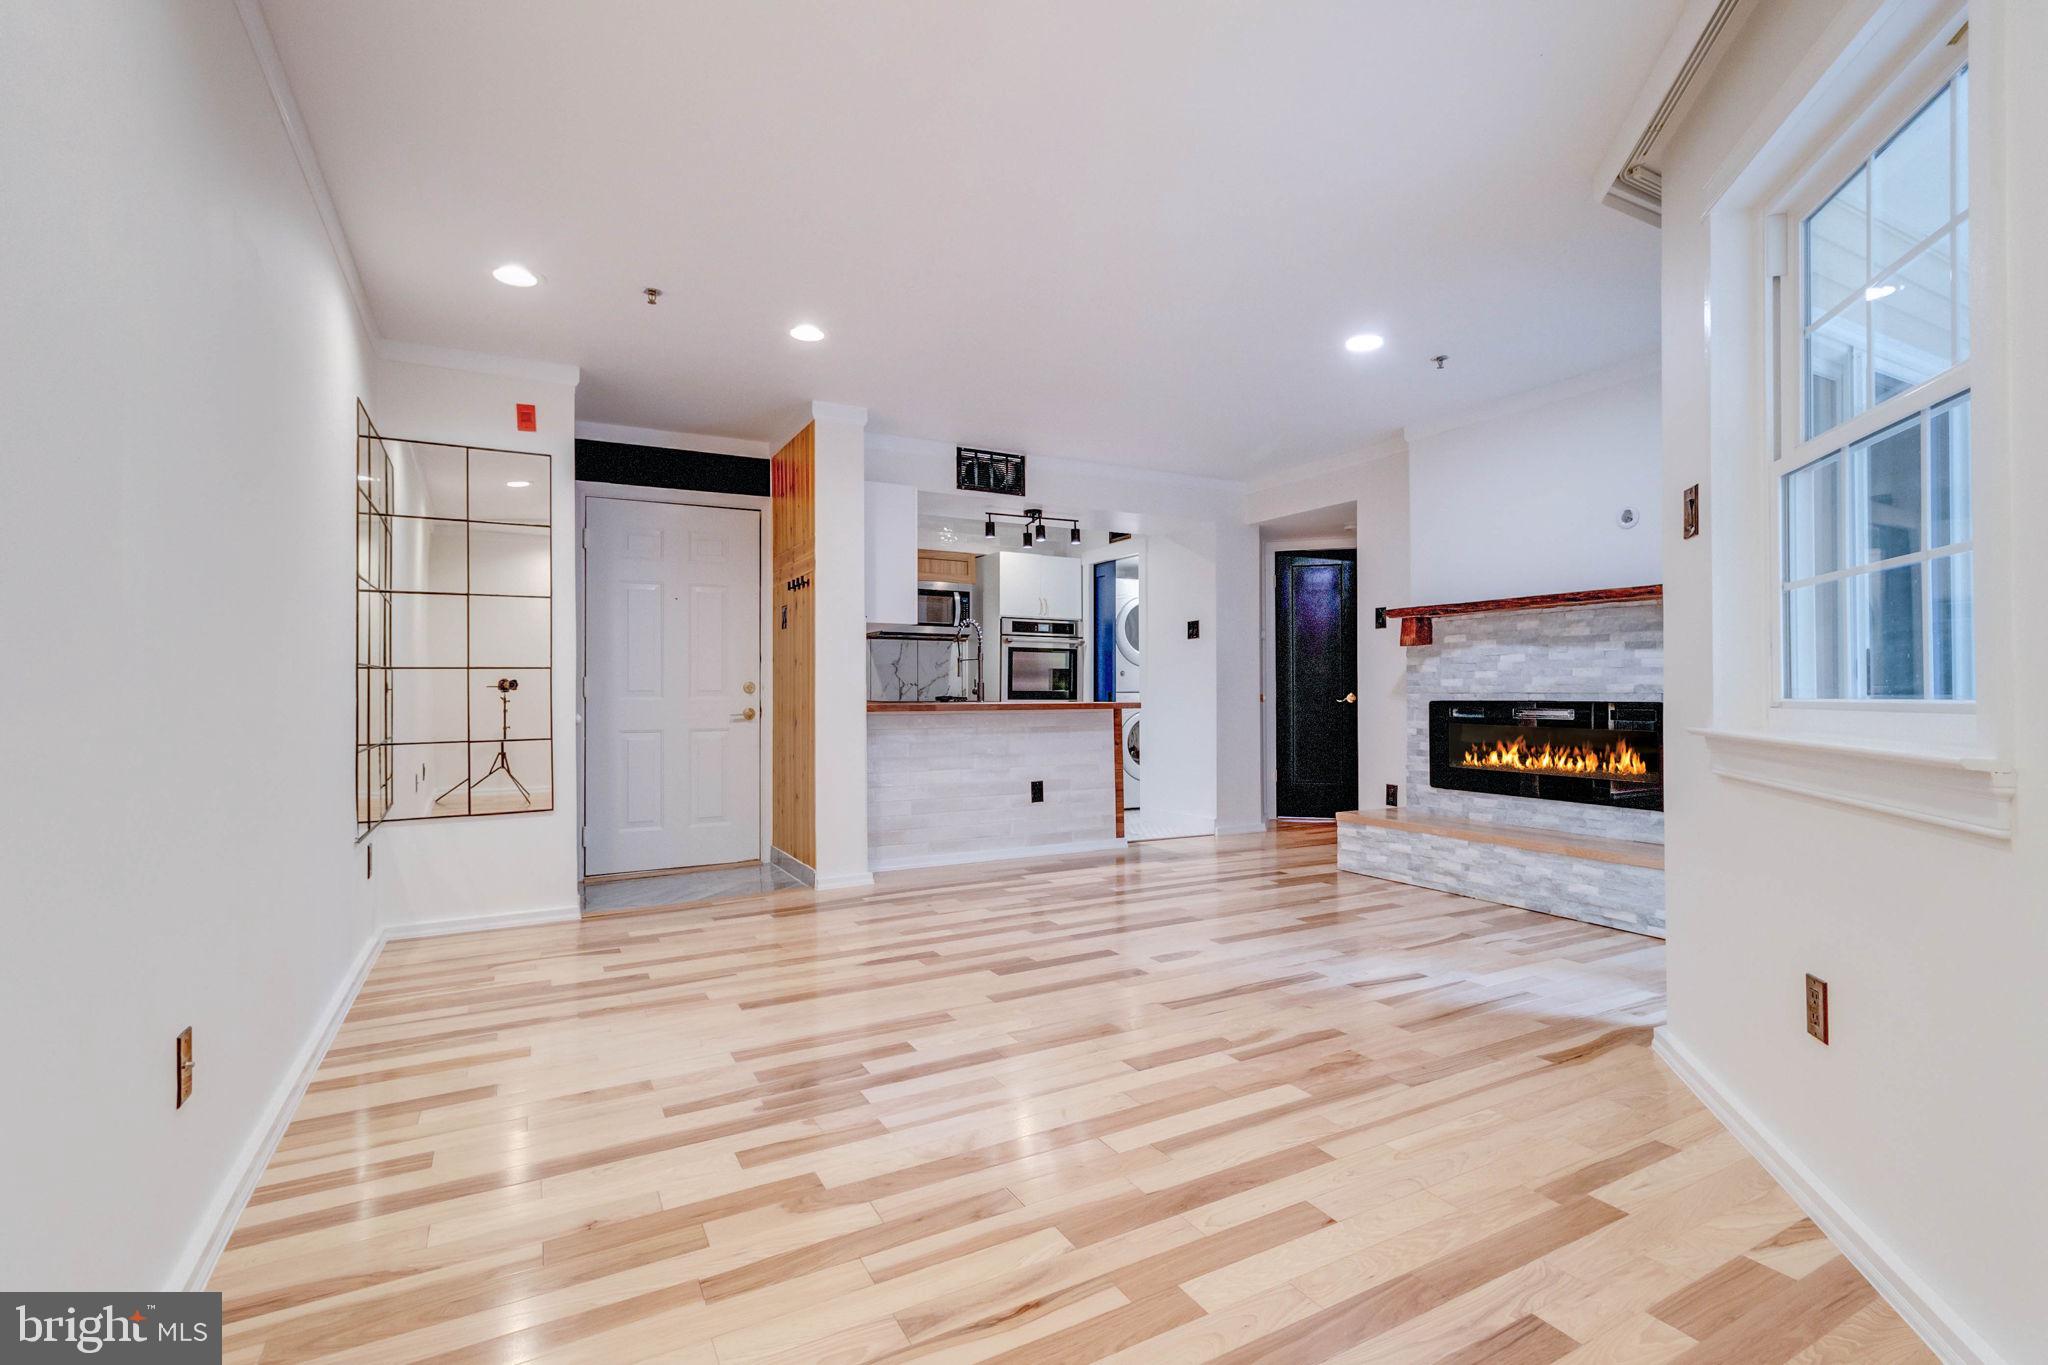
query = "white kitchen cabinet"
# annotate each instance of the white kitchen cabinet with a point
(890, 591)
(1063, 587)
(1038, 585)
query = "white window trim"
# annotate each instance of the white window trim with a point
(1936, 763)
(1913, 726)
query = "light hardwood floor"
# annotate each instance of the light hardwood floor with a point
(1207, 1100)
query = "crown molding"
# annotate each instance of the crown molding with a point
(272, 66)
(673, 440)
(1369, 453)
(1529, 400)
(839, 412)
(478, 362)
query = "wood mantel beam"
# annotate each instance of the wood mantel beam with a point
(1416, 627)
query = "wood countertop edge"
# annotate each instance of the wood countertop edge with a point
(975, 707)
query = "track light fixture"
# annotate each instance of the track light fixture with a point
(1034, 520)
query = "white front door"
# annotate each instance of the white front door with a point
(674, 719)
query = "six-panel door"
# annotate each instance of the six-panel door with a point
(674, 716)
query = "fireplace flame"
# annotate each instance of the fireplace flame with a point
(1577, 760)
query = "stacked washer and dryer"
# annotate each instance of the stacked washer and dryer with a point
(1128, 673)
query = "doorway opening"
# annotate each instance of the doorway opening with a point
(1315, 670)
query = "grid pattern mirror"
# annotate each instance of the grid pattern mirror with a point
(455, 625)
(373, 628)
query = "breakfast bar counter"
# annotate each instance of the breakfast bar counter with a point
(953, 782)
(980, 706)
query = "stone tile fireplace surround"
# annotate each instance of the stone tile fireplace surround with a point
(1607, 652)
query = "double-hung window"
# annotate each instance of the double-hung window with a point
(1874, 470)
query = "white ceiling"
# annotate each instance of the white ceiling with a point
(1134, 231)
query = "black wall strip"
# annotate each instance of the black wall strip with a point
(658, 467)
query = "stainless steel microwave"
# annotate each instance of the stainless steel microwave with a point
(943, 604)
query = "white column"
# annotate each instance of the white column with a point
(840, 643)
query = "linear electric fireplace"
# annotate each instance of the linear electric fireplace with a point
(1601, 753)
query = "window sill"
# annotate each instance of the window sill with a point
(1967, 792)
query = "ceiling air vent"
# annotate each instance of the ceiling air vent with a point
(1638, 188)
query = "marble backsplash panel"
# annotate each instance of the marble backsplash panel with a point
(916, 670)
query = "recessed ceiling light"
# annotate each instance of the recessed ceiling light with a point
(516, 275)
(1363, 342)
(807, 331)
(1881, 291)
(519, 483)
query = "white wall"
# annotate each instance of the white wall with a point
(179, 368)
(1200, 563)
(1524, 498)
(432, 872)
(1922, 1125)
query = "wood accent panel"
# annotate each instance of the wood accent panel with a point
(980, 706)
(792, 478)
(946, 566)
(1593, 848)
(1204, 1099)
(1116, 763)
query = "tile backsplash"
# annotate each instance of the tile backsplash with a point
(917, 670)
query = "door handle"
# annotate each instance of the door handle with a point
(747, 714)
(1348, 697)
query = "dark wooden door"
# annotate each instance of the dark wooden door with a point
(1316, 673)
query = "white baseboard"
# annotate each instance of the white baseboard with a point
(1242, 827)
(1142, 826)
(202, 1253)
(994, 855)
(843, 881)
(472, 924)
(1925, 1311)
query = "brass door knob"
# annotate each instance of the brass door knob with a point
(747, 714)
(748, 689)
(1348, 697)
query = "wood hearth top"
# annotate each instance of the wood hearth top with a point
(1647, 592)
(1594, 848)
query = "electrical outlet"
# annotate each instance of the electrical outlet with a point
(1393, 794)
(1817, 1007)
(1038, 791)
(184, 1060)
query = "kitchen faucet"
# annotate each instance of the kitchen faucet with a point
(968, 623)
